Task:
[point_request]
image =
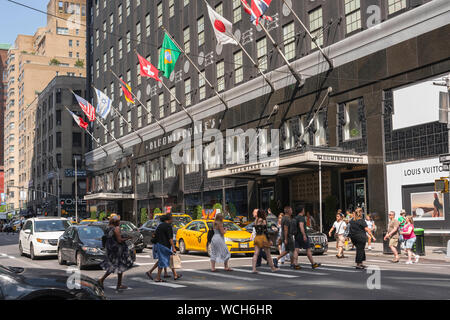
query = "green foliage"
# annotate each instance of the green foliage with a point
(198, 212)
(3, 208)
(102, 215)
(218, 206)
(54, 62)
(93, 215)
(157, 210)
(79, 63)
(144, 215)
(232, 209)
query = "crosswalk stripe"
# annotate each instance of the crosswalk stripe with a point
(310, 272)
(273, 274)
(114, 287)
(220, 275)
(162, 284)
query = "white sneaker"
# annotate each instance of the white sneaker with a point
(370, 248)
(408, 262)
(417, 258)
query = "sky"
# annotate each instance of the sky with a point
(15, 19)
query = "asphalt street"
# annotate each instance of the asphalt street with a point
(336, 279)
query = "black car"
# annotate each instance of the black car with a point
(318, 241)
(127, 229)
(82, 245)
(147, 230)
(45, 284)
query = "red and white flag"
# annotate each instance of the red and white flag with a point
(87, 108)
(222, 28)
(257, 10)
(147, 69)
(79, 120)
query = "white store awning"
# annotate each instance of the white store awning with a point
(109, 196)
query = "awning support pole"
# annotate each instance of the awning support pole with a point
(320, 194)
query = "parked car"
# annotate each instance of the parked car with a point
(147, 230)
(318, 240)
(39, 236)
(81, 245)
(193, 237)
(45, 284)
(127, 229)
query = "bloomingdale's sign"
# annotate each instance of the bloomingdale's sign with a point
(197, 129)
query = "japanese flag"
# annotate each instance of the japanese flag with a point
(222, 27)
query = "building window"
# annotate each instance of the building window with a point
(187, 92)
(149, 107)
(128, 41)
(212, 160)
(111, 128)
(141, 173)
(138, 74)
(220, 73)
(111, 56)
(138, 30)
(171, 8)
(105, 62)
(186, 2)
(289, 41)
(201, 86)
(128, 7)
(396, 5)
(76, 139)
(160, 14)
(120, 48)
(173, 104)
(129, 120)
(288, 137)
(352, 127)
(315, 26)
(320, 136)
(121, 125)
(219, 9)
(161, 105)
(238, 68)
(187, 40)
(111, 22)
(120, 12)
(353, 15)
(302, 126)
(155, 171)
(192, 163)
(147, 25)
(237, 12)
(261, 48)
(201, 31)
(169, 168)
(139, 116)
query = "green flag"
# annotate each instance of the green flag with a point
(168, 56)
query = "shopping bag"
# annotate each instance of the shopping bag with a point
(175, 261)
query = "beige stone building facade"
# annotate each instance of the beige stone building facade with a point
(59, 48)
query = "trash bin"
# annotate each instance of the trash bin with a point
(419, 246)
(386, 248)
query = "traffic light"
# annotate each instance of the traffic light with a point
(441, 185)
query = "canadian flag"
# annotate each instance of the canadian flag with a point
(147, 69)
(222, 27)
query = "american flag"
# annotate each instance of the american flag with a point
(257, 10)
(87, 108)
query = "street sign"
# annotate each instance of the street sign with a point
(444, 158)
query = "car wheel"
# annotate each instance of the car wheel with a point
(32, 256)
(21, 249)
(60, 259)
(80, 261)
(182, 246)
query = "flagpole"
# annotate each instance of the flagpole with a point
(128, 123)
(93, 138)
(309, 34)
(172, 95)
(148, 111)
(291, 69)
(256, 65)
(195, 66)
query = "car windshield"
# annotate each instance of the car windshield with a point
(182, 220)
(90, 233)
(127, 226)
(51, 225)
(230, 226)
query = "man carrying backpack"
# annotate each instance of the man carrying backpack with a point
(301, 240)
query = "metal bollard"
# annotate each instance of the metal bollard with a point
(448, 249)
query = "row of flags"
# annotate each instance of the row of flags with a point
(169, 55)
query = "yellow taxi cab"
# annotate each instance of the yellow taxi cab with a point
(194, 237)
(88, 221)
(177, 217)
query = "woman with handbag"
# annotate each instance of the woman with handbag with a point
(358, 234)
(155, 255)
(262, 241)
(339, 227)
(165, 247)
(219, 249)
(118, 259)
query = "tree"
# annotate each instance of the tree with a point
(157, 210)
(218, 206)
(102, 215)
(79, 63)
(198, 212)
(54, 62)
(144, 215)
(93, 215)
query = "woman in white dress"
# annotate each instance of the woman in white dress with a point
(219, 249)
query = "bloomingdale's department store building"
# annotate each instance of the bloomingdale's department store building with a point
(380, 120)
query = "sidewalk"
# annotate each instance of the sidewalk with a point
(432, 254)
